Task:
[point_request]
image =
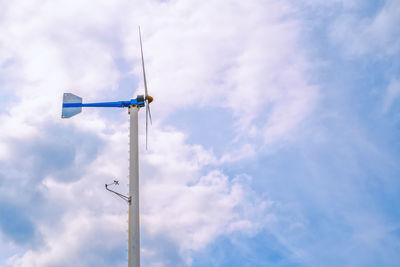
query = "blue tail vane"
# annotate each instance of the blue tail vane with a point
(69, 110)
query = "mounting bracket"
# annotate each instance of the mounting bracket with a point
(116, 182)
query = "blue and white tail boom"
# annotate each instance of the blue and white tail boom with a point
(72, 104)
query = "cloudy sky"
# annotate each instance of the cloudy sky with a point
(275, 136)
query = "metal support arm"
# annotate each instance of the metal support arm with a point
(126, 198)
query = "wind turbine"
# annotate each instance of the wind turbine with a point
(72, 105)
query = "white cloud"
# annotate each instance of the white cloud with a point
(195, 57)
(177, 202)
(225, 59)
(189, 209)
(13, 130)
(69, 242)
(244, 151)
(378, 35)
(198, 54)
(346, 4)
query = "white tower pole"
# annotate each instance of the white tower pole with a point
(134, 220)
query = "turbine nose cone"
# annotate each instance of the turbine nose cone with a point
(149, 98)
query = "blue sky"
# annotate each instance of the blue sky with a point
(274, 139)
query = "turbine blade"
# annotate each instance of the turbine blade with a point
(147, 124)
(144, 71)
(148, 107)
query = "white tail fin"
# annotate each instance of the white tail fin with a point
(70, 110)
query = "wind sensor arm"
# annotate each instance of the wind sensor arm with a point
(126, 198)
